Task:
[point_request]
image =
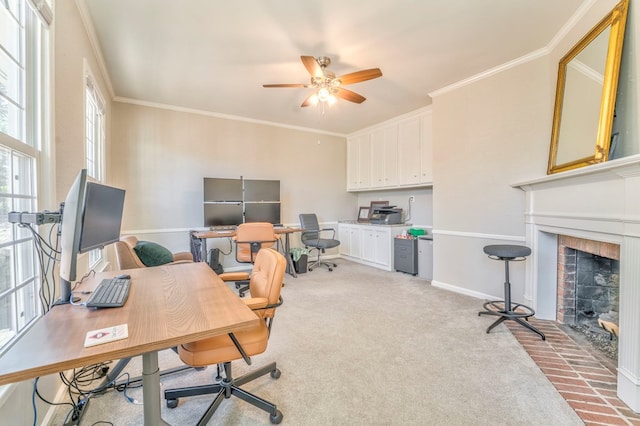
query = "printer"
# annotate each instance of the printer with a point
(388, 215)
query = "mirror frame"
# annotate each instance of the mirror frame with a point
(617, 19)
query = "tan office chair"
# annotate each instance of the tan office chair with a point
(249, 239)
(265, 285)
(128, 259)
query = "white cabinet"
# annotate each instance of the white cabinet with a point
(359, 162)
(396, 154)
(369, 244)
(409, 151)
(384, 157)
(426, 148)
(350, 240)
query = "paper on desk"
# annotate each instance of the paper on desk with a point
(105, 335)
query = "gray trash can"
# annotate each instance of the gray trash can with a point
(300, 257)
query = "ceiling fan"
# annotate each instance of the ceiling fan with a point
(325, 83)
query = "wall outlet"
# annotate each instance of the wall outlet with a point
(412, 199)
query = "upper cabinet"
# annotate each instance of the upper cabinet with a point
(396, 154)
(359, 162)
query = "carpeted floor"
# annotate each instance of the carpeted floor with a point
(360, 346)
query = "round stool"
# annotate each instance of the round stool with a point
(503, 308)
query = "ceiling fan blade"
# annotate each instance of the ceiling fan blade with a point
(285, 85)
(312, 65)
(350, 96)
(307, 102)
(358, 76)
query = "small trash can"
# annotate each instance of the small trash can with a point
(300, 257)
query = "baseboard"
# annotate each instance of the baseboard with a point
(462, 290)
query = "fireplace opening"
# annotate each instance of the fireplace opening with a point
(589, 290)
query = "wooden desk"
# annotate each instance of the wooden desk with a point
(167, 306)
(286, 231)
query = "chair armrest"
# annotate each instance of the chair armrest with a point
(234, 276)
(329, 229)
(178, 262)
(183, 255)
(256, 302)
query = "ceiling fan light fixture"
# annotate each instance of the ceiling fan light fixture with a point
(332, 100)
(323, 94)
(313, 99)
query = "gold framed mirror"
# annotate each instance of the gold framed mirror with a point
(586, 95)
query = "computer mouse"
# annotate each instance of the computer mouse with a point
(123, 276)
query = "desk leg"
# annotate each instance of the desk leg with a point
(151, 389)
(203, 248)
(287, 255)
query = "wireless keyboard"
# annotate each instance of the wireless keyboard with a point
(110, 293)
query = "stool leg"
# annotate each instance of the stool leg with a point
(507, 288)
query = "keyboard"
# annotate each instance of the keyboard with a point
(110, 293)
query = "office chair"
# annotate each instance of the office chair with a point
(311, 237)
(249, 239)
(264, 288)
(129, 259)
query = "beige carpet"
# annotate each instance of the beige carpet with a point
(360, 346)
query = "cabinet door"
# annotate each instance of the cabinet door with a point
(426, 147)
(355, 242)
(383, 250)
(364, 161)
(378, 152)
(409, 151)
(369, 244)
(352, 163)
(344, 235)
(391, 155)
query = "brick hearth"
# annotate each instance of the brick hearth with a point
(585, 378)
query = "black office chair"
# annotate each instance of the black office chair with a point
(311, 238)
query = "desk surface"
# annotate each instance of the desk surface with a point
(167, 306)
(223, 234)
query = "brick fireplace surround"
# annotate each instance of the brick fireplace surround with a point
(601, 203)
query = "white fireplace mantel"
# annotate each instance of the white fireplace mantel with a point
(599, 202)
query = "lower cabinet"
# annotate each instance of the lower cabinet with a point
(369, 244)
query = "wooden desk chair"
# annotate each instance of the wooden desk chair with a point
(265, 285)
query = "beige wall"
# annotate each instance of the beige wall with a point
(161, 157)
(488, 135)
(72, 48)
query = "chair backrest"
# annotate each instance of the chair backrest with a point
(251, 237)
(125, 255)
(267, 278)
(309, 223)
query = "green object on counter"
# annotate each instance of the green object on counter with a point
(417, 232)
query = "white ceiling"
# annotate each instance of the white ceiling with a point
(214, 56)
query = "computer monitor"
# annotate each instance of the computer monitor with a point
(221, 189)
(262, 212)
(91, 218)
(222, 214)
(261, 190)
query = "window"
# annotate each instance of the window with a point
(23, 122)
(94, 142)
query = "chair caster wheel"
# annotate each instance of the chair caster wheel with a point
(172, 403)
(276, 418)
(310, 269)
(330, 269)
(276, 374)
